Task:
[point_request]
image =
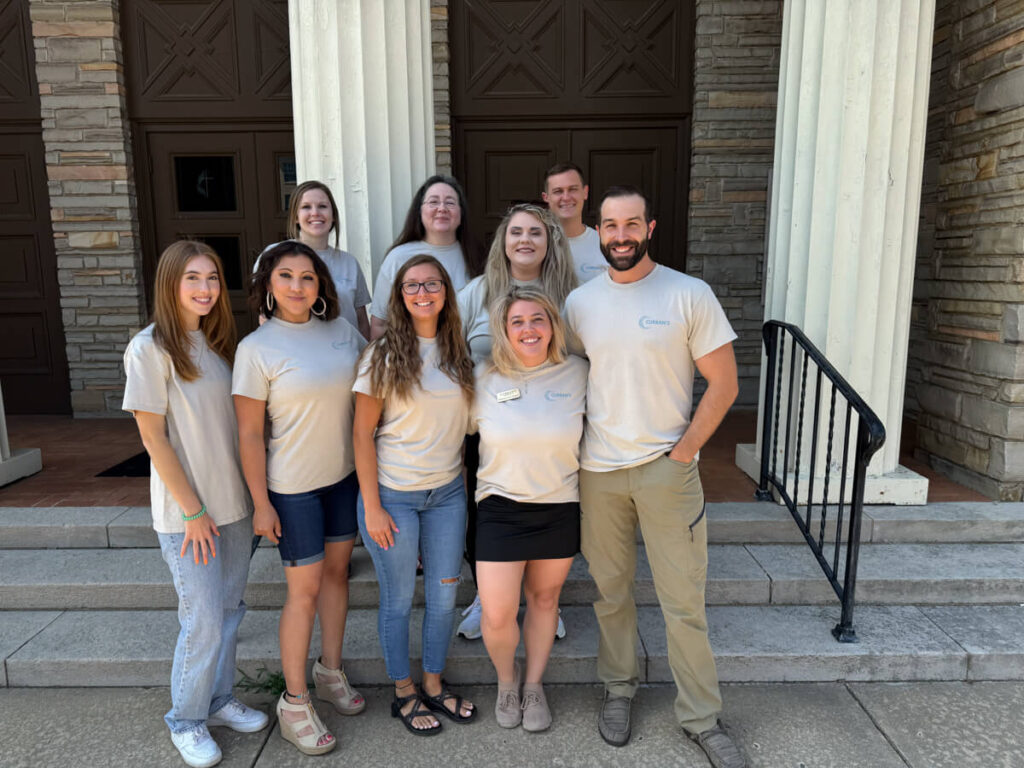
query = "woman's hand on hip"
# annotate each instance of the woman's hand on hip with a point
(265, 522)
(200, 534)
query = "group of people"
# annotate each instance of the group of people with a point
(567, 356)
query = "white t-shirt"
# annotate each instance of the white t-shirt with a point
(201, 428)
(348, 280)
(642, 339)
(304, 372)
(451, 259)
(475, 316)
(587, 258)
(530, 444)
(419, 439)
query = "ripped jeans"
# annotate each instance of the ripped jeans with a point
(431, 524)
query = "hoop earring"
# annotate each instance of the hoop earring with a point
(270, 302)
(323, 310)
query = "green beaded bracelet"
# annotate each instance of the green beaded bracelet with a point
(196, 516)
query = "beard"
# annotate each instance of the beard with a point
(624, 263)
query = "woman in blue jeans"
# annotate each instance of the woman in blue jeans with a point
(179, 389)
(413, 393)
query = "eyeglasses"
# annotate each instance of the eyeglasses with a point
(411, 288)
(433, 204)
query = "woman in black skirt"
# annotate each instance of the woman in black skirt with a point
(528, 409)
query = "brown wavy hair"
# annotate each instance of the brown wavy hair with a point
(168, 324)
(259, 285)
(296, 199)
(394, 359)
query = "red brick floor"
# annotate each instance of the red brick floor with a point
(74, 450)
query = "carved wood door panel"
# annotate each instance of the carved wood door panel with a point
(604, 83)
(33, 362)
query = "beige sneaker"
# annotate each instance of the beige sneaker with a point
(332, 686)
(507, 709)
(536, 715)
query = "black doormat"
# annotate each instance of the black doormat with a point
(136, 466)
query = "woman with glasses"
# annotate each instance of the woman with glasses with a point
(437, 224)
(413, 393)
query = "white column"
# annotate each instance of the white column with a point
(846, 191)
(362, 97)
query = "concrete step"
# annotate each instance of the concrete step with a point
(728, 523)
(751, 643)
(737, 575)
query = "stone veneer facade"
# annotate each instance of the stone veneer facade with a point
(92, 193)
(965, 378)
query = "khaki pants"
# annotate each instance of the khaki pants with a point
(665, 497)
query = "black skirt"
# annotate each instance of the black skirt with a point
(509, 531)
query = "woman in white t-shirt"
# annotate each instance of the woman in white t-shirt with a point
(528, 410)
(297, 369)
(312, 216)
(413, 394)
(529, 250)
(178, 387)
(437, 224)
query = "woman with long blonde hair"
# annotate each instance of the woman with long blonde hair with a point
(413, 394)
(179, 389)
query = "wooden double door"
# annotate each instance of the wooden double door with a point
(603, 83)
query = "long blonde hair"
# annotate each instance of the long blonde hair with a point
(502, 355)
(168, 324)
(395, 363)
(557, 276)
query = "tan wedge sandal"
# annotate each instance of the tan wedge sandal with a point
(305, 732)
(332, 686)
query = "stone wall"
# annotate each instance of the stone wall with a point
(736, 72)
(442, 102)
(92, 194)
(966, 374)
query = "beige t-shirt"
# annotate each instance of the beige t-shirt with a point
(348, 280)
(201, 428)
(642, 339)
(304, 372)
(587, 258)
(419, 439)
(475, 315)
(530, 444)
(451, 259)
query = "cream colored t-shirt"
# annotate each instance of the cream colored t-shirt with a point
(201, 428)
(348, 280)
(451, 259)
(419, 439)
(475, 315)
(642, 339)
(587, 258)
(530, 444)
(304, 372)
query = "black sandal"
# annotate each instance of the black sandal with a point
(416, 711)
(436, 704)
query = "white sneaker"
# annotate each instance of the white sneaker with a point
(238, 717)
(470, 626)
(560, 632)
(197, 747)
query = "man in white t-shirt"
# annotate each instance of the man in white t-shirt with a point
(647, 329)
(565, 192)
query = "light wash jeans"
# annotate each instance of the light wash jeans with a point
(432, 524)
(210, 608)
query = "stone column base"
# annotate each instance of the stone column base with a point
(901, 486)
(21, 464)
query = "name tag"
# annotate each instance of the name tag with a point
(509, 394)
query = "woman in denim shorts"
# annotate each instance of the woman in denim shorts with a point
(413, 393)
(297, 369)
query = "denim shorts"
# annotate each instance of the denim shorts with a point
(309, 520)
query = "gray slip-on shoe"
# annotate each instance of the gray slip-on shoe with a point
(614, 721)
(719, 747)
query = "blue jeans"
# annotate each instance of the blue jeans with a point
(210, 608)
(432, 524)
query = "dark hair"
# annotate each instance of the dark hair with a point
(414, 231)
(259, 286)
(296, 201)
(558, 168)
(627, 190)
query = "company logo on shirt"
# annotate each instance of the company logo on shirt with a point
(554, 396)
(339, 344)
(647, 323)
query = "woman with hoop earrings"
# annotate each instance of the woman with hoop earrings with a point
(297, 369)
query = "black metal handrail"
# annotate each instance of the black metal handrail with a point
(870, 437)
